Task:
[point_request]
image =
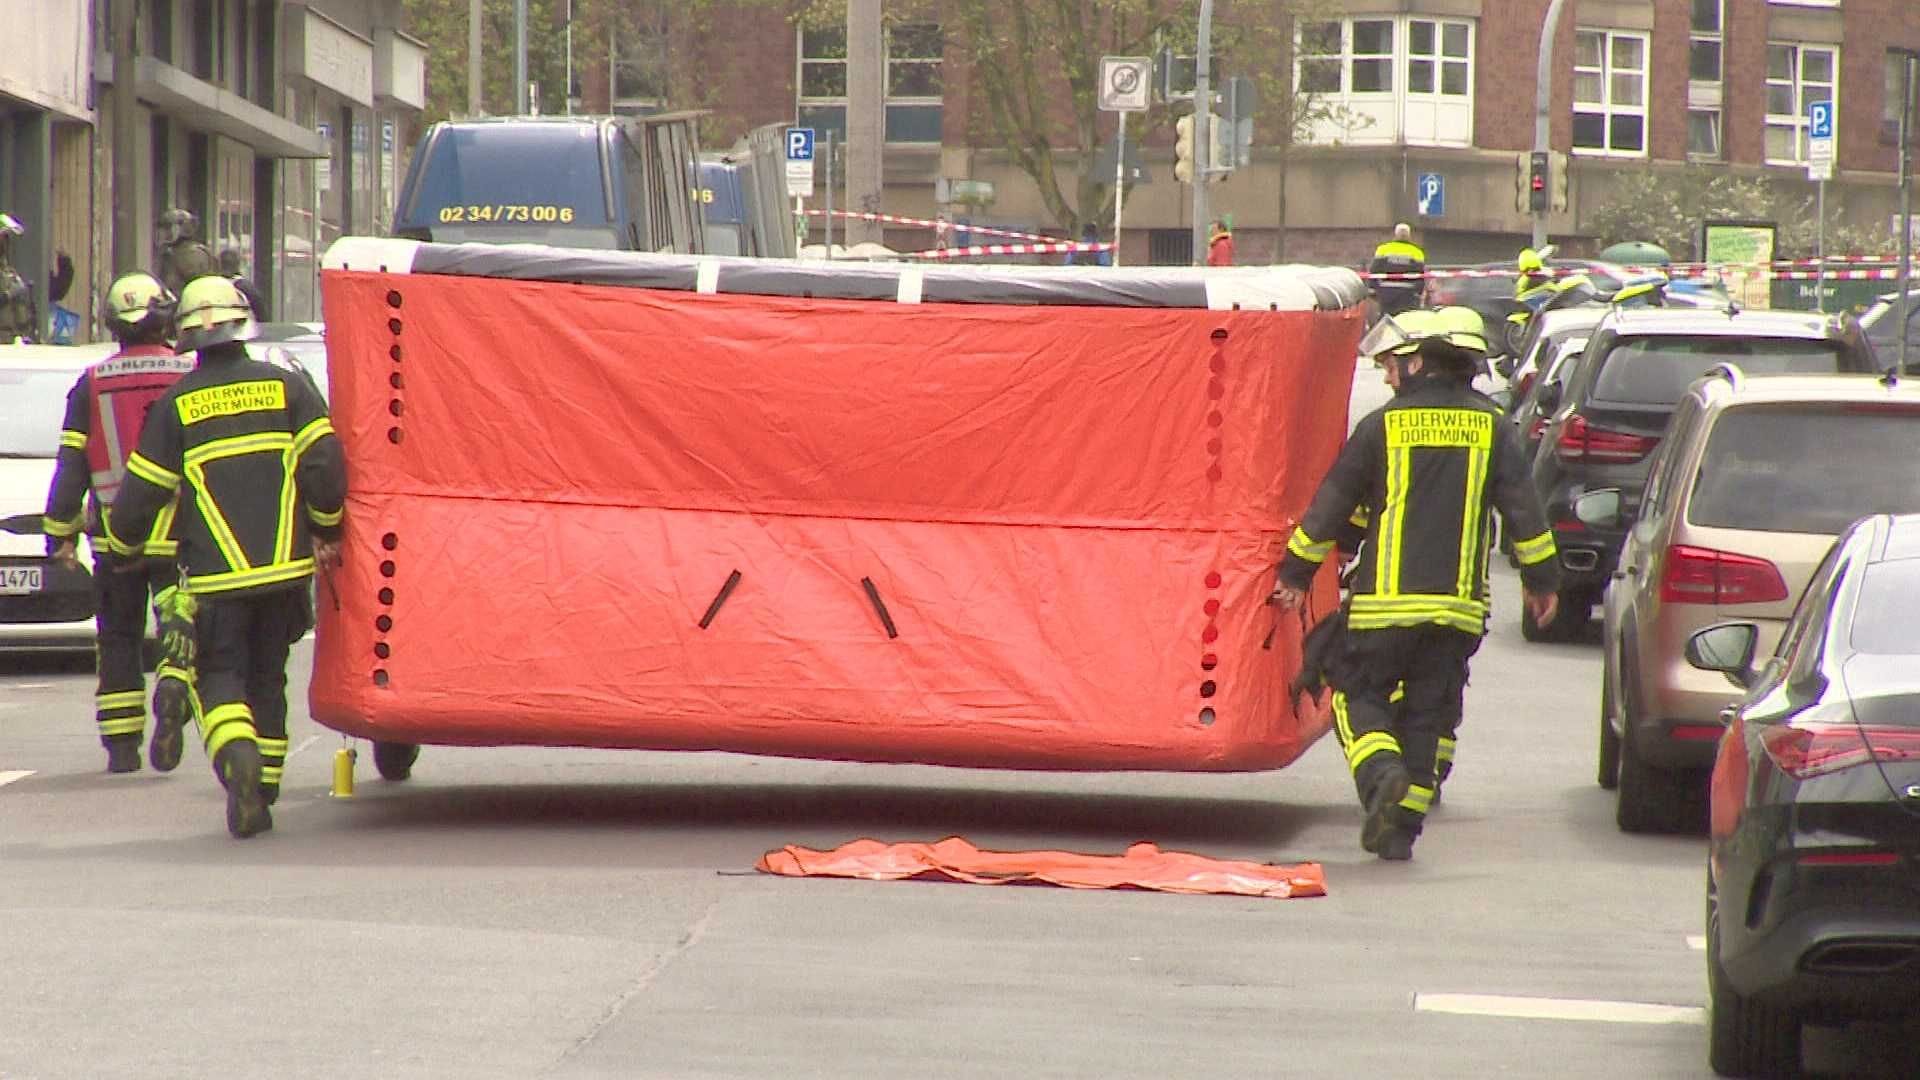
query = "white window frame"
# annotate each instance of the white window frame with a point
(804, 101)
(1606, 107)
(1400, 66)
(1704, 95)
(920, 100)
(1797, 81)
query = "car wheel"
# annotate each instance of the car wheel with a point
(395, 760)
(1573, 616)
(1609, 773)
(1744, 1037)
(1648, 796)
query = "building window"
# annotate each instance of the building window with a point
(637, 62)
(1610, 93)
(915, 52)
(823, 80)
(1797, 76)
(1388, 80)
(1704, 75)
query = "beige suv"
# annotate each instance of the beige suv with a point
(1755, 478)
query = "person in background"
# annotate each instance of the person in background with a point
(182, 256)
(16, 296)
(230, 268)
(1220, 245)
(1399, 267)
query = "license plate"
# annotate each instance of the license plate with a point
(19, 580)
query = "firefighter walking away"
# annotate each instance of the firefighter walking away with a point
(104, 412)
(253, 444)
(1431, 466)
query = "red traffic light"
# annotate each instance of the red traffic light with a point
(1539, 182)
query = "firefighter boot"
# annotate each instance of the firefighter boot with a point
(123, 753)
(1389, 785)
(172, 708)
(239, 767)
(1396, 845)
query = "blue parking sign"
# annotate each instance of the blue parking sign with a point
(799, 144)
(1820, 120)
(1431, 195)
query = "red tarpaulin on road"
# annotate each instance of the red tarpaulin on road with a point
(957, 533)
(1144, 866)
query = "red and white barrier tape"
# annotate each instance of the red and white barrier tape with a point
(1006, 249)
(934, 224)
(1784, 268)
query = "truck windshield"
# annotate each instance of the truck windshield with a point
(513, 183)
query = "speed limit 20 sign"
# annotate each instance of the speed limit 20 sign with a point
(1125, 82)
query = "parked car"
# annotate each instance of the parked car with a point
(1755, 479)
(1549, 329)
(1530, 409)
(303, 342)
(1636, 368)
(1491, 293)
(1814, 849)
(1881, 323)
(44, 604)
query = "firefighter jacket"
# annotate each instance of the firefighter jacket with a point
(105, 410)
(1430, 466)
(253, 447)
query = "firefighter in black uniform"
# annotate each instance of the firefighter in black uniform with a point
(1399, 269)
(253, 443)
(1430, 465)
(104, 413)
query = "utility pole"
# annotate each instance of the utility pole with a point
(1542, 108)
(473, 58)
(1907, 59)
(520, 104)
(127, 236)
(1202, 132)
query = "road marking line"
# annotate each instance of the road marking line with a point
(310, 740)
(10, 776)
(1540, 1008)
(1697, 942)
(33, 686)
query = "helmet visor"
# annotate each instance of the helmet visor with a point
(1386, 336)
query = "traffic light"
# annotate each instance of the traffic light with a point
(1560, 183)
(1183, 149)
(1538, 196)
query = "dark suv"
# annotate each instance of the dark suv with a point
(1613, 413)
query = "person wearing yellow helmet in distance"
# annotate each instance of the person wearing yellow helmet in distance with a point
(102, 425)
(254, 444)
(1430, 466)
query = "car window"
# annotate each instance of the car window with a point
(36, 400)
(1656, 370)
(1672, 451)
(1883, 621)
(1806, 468)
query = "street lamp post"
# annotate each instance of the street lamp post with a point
(1202, 132)
(1908, 58)
(1542, 107)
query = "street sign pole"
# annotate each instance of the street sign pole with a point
(1907, 58)
(1119, 179)
(1543, 108)
(1125, 86)
(1202, 131)
(1820, 152)
(827, 144)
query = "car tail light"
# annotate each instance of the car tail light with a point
(1809, 750)
(1582, 441)
(1696, 732)
(1850, 858)
(1701, 576)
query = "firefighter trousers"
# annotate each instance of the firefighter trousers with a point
(120, 600)
(242, 644)
(1425, 668)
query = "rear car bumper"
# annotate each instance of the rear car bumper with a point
(59, 615)
(1587, 560)
(1847, 961)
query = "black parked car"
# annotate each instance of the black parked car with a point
(1492, 296)
(1612, 414)
(1813, 872)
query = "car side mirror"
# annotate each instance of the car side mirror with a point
(1550, 397)
(1600, 509)
(1726, 648)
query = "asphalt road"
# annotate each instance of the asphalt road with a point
(519, 913)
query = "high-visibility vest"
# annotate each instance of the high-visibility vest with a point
(120, 390)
